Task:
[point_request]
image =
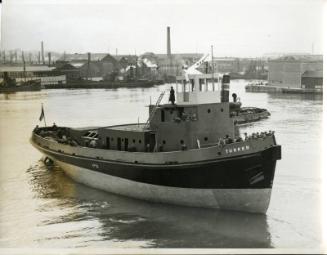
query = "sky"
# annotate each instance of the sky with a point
(244, 28)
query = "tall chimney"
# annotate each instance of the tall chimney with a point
(168, 42)
(88, 65)
(42, 53)
(49, 58)
(39, 58)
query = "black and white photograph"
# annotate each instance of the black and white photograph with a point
(162, 127)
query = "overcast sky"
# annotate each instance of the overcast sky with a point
(235, 28)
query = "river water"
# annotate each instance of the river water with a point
(43, 208)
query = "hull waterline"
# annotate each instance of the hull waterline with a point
(249, 192)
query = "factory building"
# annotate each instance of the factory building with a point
(95, 66)
(292, 71)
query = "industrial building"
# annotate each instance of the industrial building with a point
(299, 71)
(94, 66)
(312, 80)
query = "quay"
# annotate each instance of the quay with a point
(274, 89)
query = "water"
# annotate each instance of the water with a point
(45, 209)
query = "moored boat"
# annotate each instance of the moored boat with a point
(187, 153)
(9, 85)
(244, 115)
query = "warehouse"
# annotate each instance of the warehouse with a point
(286, 72)
(312, 80)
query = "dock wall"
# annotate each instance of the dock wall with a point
(274, 89)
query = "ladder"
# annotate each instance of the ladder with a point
(153, 111)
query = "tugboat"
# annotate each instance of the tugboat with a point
(187, 153)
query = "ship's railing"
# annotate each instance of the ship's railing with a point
(166, 157)
(253, 136)
(152, 113)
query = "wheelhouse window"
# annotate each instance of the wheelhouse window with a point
(201, 84)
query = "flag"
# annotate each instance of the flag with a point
(42, 114)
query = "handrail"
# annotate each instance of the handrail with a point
(146, 126)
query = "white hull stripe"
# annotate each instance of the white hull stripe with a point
(249, 200)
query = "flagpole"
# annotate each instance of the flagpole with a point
(45, 123)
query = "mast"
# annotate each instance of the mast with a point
(10, 57)
(49, 58)
(136, 66)
(213, 80)
(42, 53)
(24, 67)
(88, 65)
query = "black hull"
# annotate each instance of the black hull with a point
(253, 171)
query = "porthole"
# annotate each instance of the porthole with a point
(219, 153)
(140, 141)
(206, 138)
(164, 141)
(182, 141)
(133, 140)
(221, 109)
(209, 110)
